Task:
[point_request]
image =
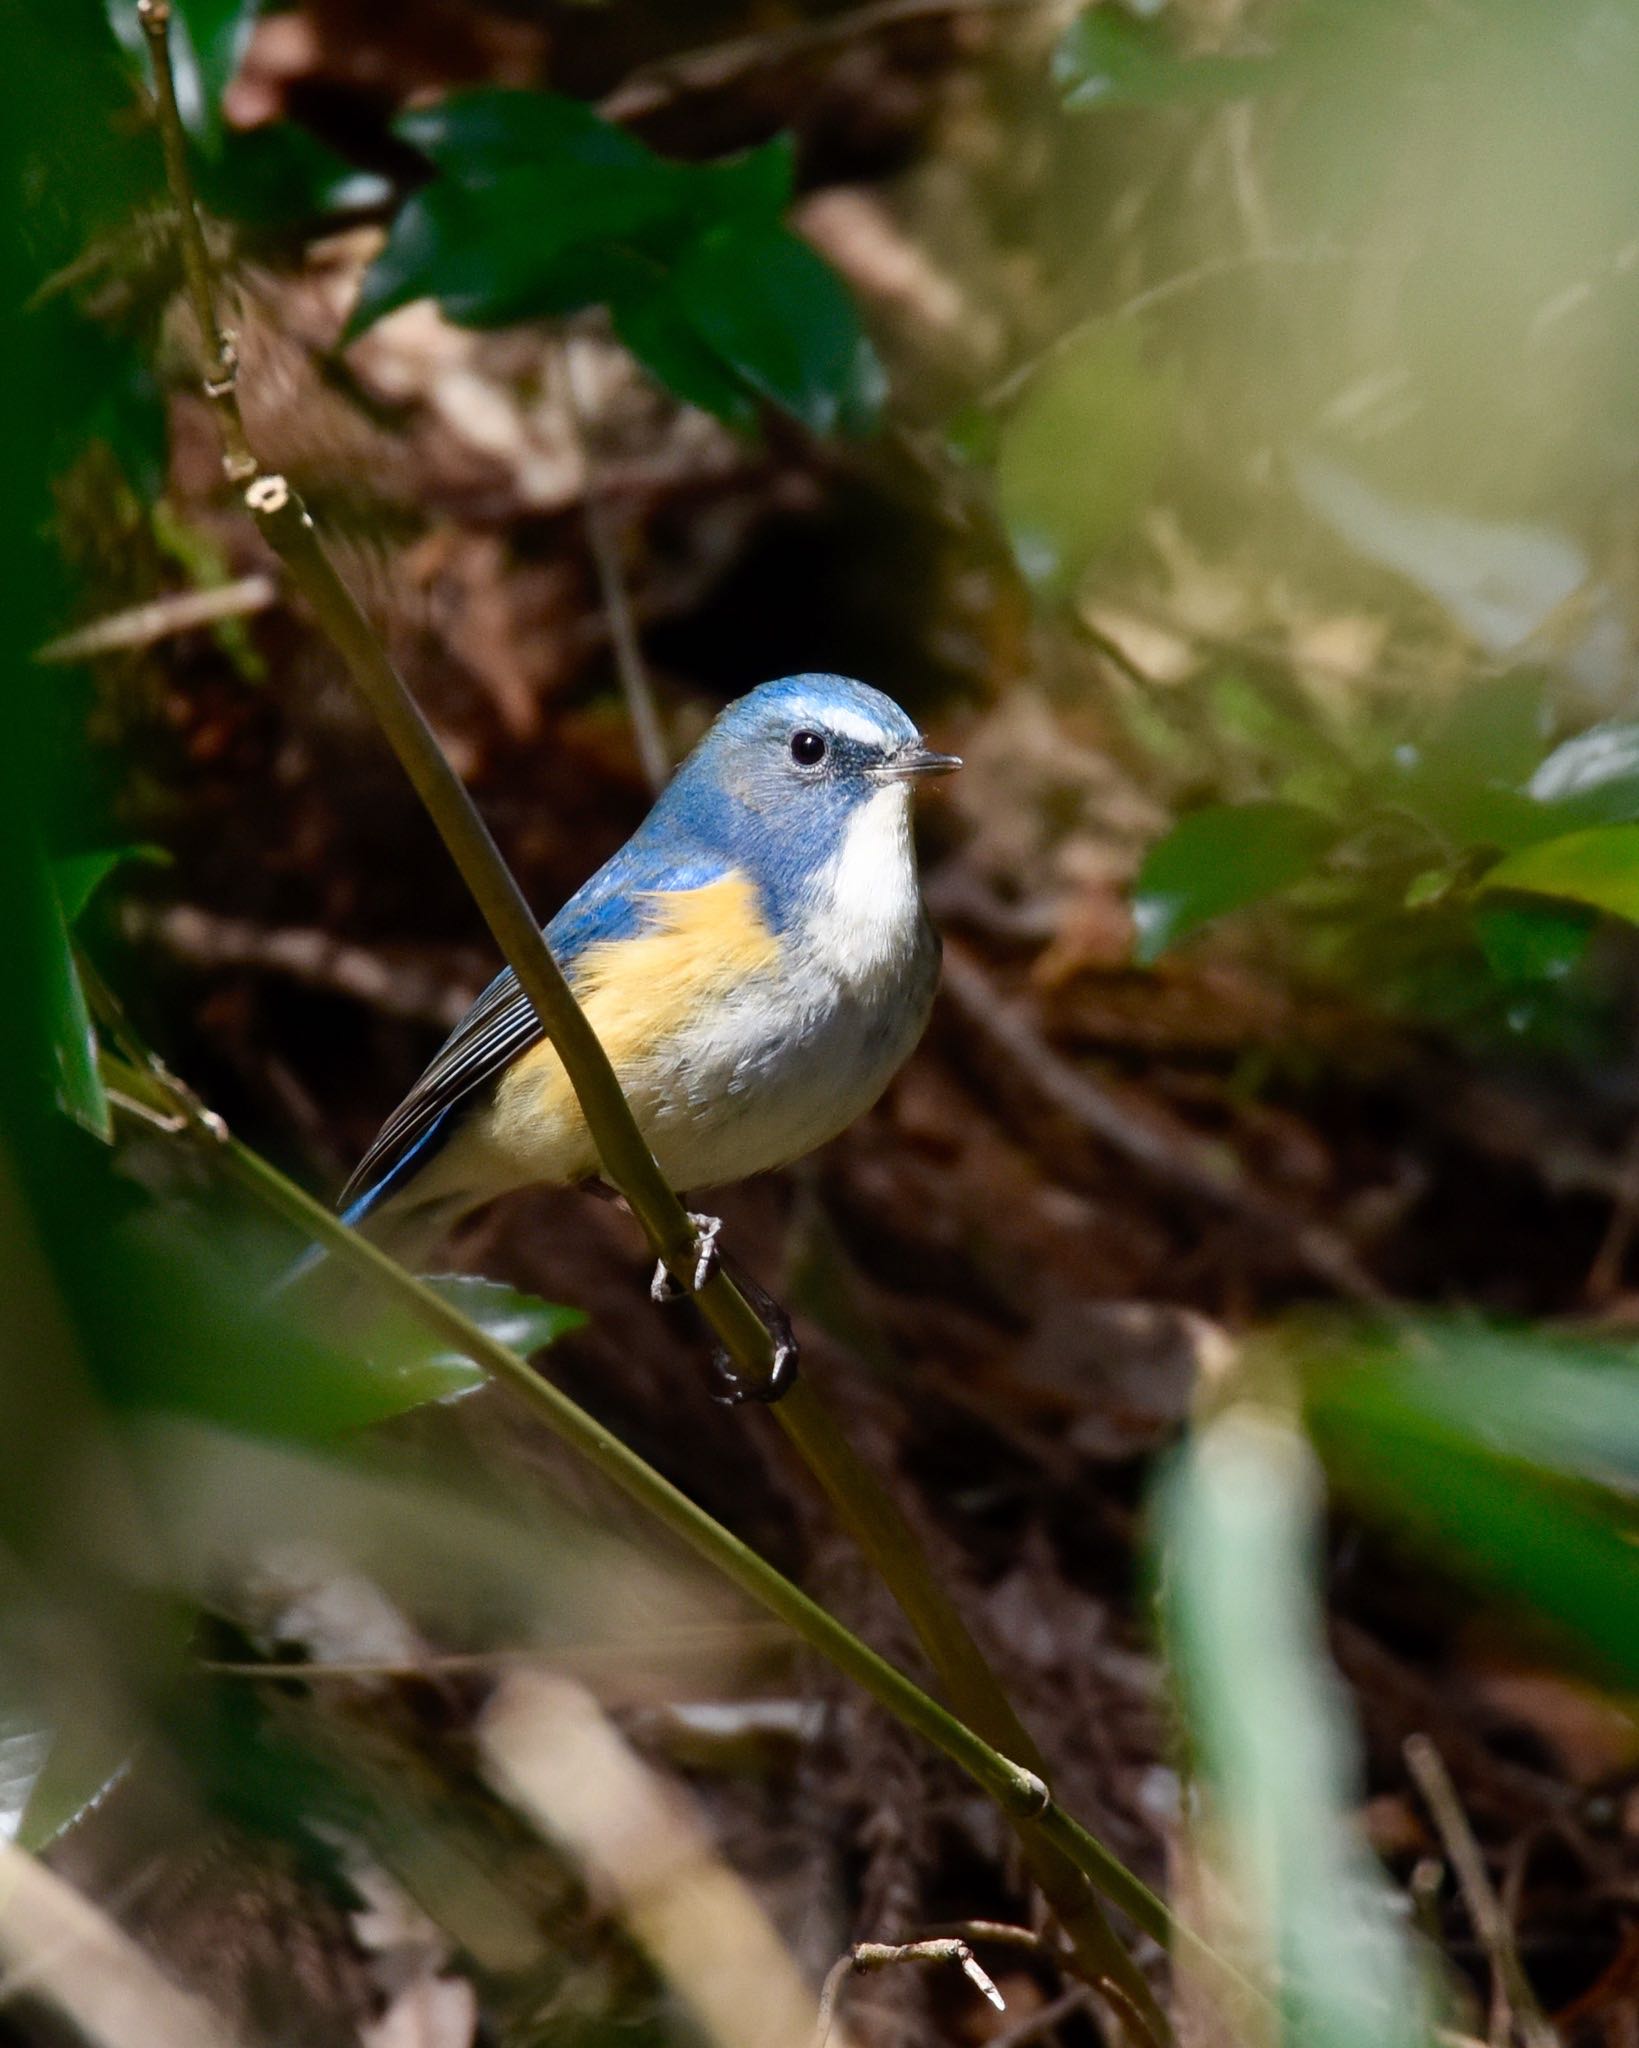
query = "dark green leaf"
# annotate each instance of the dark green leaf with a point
(278, 176)
(208, 40)
(79, 876)
(1221, 859)
(520, 246)
(218, 33)
(660, 334)
(781, 318)
(1107, 59)
(1531, 942)
(756, 186)
(74, 1042)
(475, 136)
(1599, 867)
(313, 1362)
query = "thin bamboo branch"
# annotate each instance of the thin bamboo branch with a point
(1066, 1876)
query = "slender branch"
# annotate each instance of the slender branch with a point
(1064, 1874)
(150, 1090)
(1513, 1999)
(221, 351)
(881, 1955)
(604, 541)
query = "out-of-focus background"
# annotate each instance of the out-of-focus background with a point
(1218, 422)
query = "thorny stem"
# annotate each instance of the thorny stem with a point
(1067, 1864)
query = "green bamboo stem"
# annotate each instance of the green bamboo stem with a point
(856, 1495)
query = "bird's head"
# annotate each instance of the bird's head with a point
(798, 770)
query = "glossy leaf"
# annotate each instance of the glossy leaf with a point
(208, 42)
(1240, 1518)
(522, 1322)
(1220, 859)
(25, 1742)
(1592, 778)
(296, 1362)
(1529, 942)
(1599, 867)
(541, 207)
(770, 308)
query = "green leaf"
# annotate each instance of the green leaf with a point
(1529, 942)
(1599, 867)
(218, 33)
(1593, 778)
(79, 876)
(516, 247)
(83, 1762)
(475, 136)
(25, 1742)
(208, 42)
(1240, 1519)
(305, 1365)
(279, 177)
(74, 1042)
(1107, 59)
(660, 334)
(542, 207)
(1220, 859)
(1479, 1449)
(781, 318)
(522, 1322)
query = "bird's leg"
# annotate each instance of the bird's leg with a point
(734, 1387)
(707, 1229)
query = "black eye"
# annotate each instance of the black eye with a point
(807, 747)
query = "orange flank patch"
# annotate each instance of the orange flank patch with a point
(699, 945)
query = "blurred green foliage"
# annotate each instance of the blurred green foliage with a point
(541, 207)
(1238, 1527)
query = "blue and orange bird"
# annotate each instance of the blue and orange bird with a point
(756, 959)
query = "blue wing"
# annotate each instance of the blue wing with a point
(502, 1023)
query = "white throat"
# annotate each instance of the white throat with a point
(867, 912)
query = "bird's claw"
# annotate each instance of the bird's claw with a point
(734, 1387)
(665, 1286)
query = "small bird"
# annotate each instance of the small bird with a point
(756, 959)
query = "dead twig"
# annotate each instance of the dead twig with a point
(1513, 2003)
(882, 1955)
(422, 993)
(180, 611)
(657, 85)
(1174, 1159)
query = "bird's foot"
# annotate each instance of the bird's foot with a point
(734, 1387)
(666, 1287)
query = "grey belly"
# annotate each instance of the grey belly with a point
(777, 1071)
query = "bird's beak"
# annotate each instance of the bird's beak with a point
(914, 760)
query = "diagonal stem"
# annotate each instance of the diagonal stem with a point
(1066, 1875)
